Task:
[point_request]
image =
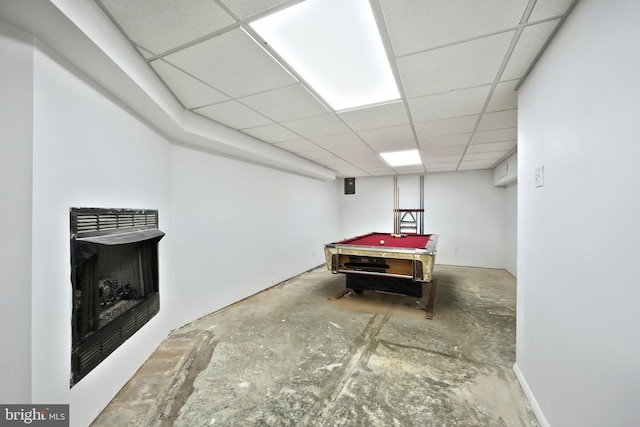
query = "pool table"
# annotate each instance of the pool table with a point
(387, 262)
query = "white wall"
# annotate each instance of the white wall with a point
(506, 175)
(408, 191)
(511, 228)
(464, 208)
(578, 292)
(87, 152)
(232, 228)
(467, 211)
(369, 209)
(16, 130)
(240, 229)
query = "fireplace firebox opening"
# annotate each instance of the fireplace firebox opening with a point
(114, 278)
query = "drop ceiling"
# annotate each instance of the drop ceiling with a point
(457, 64)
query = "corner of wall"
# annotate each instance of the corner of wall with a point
(506, 172)
(532, 400)
(16, 166)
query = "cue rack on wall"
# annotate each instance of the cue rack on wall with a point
(408, 221)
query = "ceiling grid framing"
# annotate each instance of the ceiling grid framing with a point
(460, 27)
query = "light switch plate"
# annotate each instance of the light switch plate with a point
(540, 176)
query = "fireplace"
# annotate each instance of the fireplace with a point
(114, 277)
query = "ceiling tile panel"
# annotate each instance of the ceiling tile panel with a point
(442, 169)
(472, 167)
(391, 133)
(232, 63)
(297, 146)
(272, 133)
(431, 160)
(300, 103)
(494, 155)
(145, 53)
(311, 127)
(498, 135)
(449, 104)
(441, 151)
(372, 165)
(316, 154)
(380, 171)
(191, 92)
(409, 169)
(160, 25)
(476, 165)
(317, 126)
(376, 117)
(352, 152)
(244, 9)
(339, 140)
(334, 161)
(447, 68)
(233, 114)
(478, 162)
(449, 165)
(449, 126)
(349, 171)
(416, 25)
(395, 145)
(367, 162)
(530, 43)
(373, 171)
(498, 120)
(445, 140)
(504, 97)
(491, 146)
(545, 9)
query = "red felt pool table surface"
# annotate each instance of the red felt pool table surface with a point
(415, 241)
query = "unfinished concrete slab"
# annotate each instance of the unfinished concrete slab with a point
(294, 356)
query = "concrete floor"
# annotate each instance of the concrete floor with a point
(291, 356)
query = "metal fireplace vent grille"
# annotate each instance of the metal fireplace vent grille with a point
(106, 341)
(92, 223)
(114, 277)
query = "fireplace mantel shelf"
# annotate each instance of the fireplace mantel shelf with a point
(123, 238)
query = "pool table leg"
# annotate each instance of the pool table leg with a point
(340, 295)
(431, 304)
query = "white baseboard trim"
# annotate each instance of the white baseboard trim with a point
(532, 400)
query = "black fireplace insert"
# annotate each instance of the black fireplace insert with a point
(114, 278)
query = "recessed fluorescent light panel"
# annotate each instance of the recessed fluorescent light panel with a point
(335, 46)
(402, 158)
